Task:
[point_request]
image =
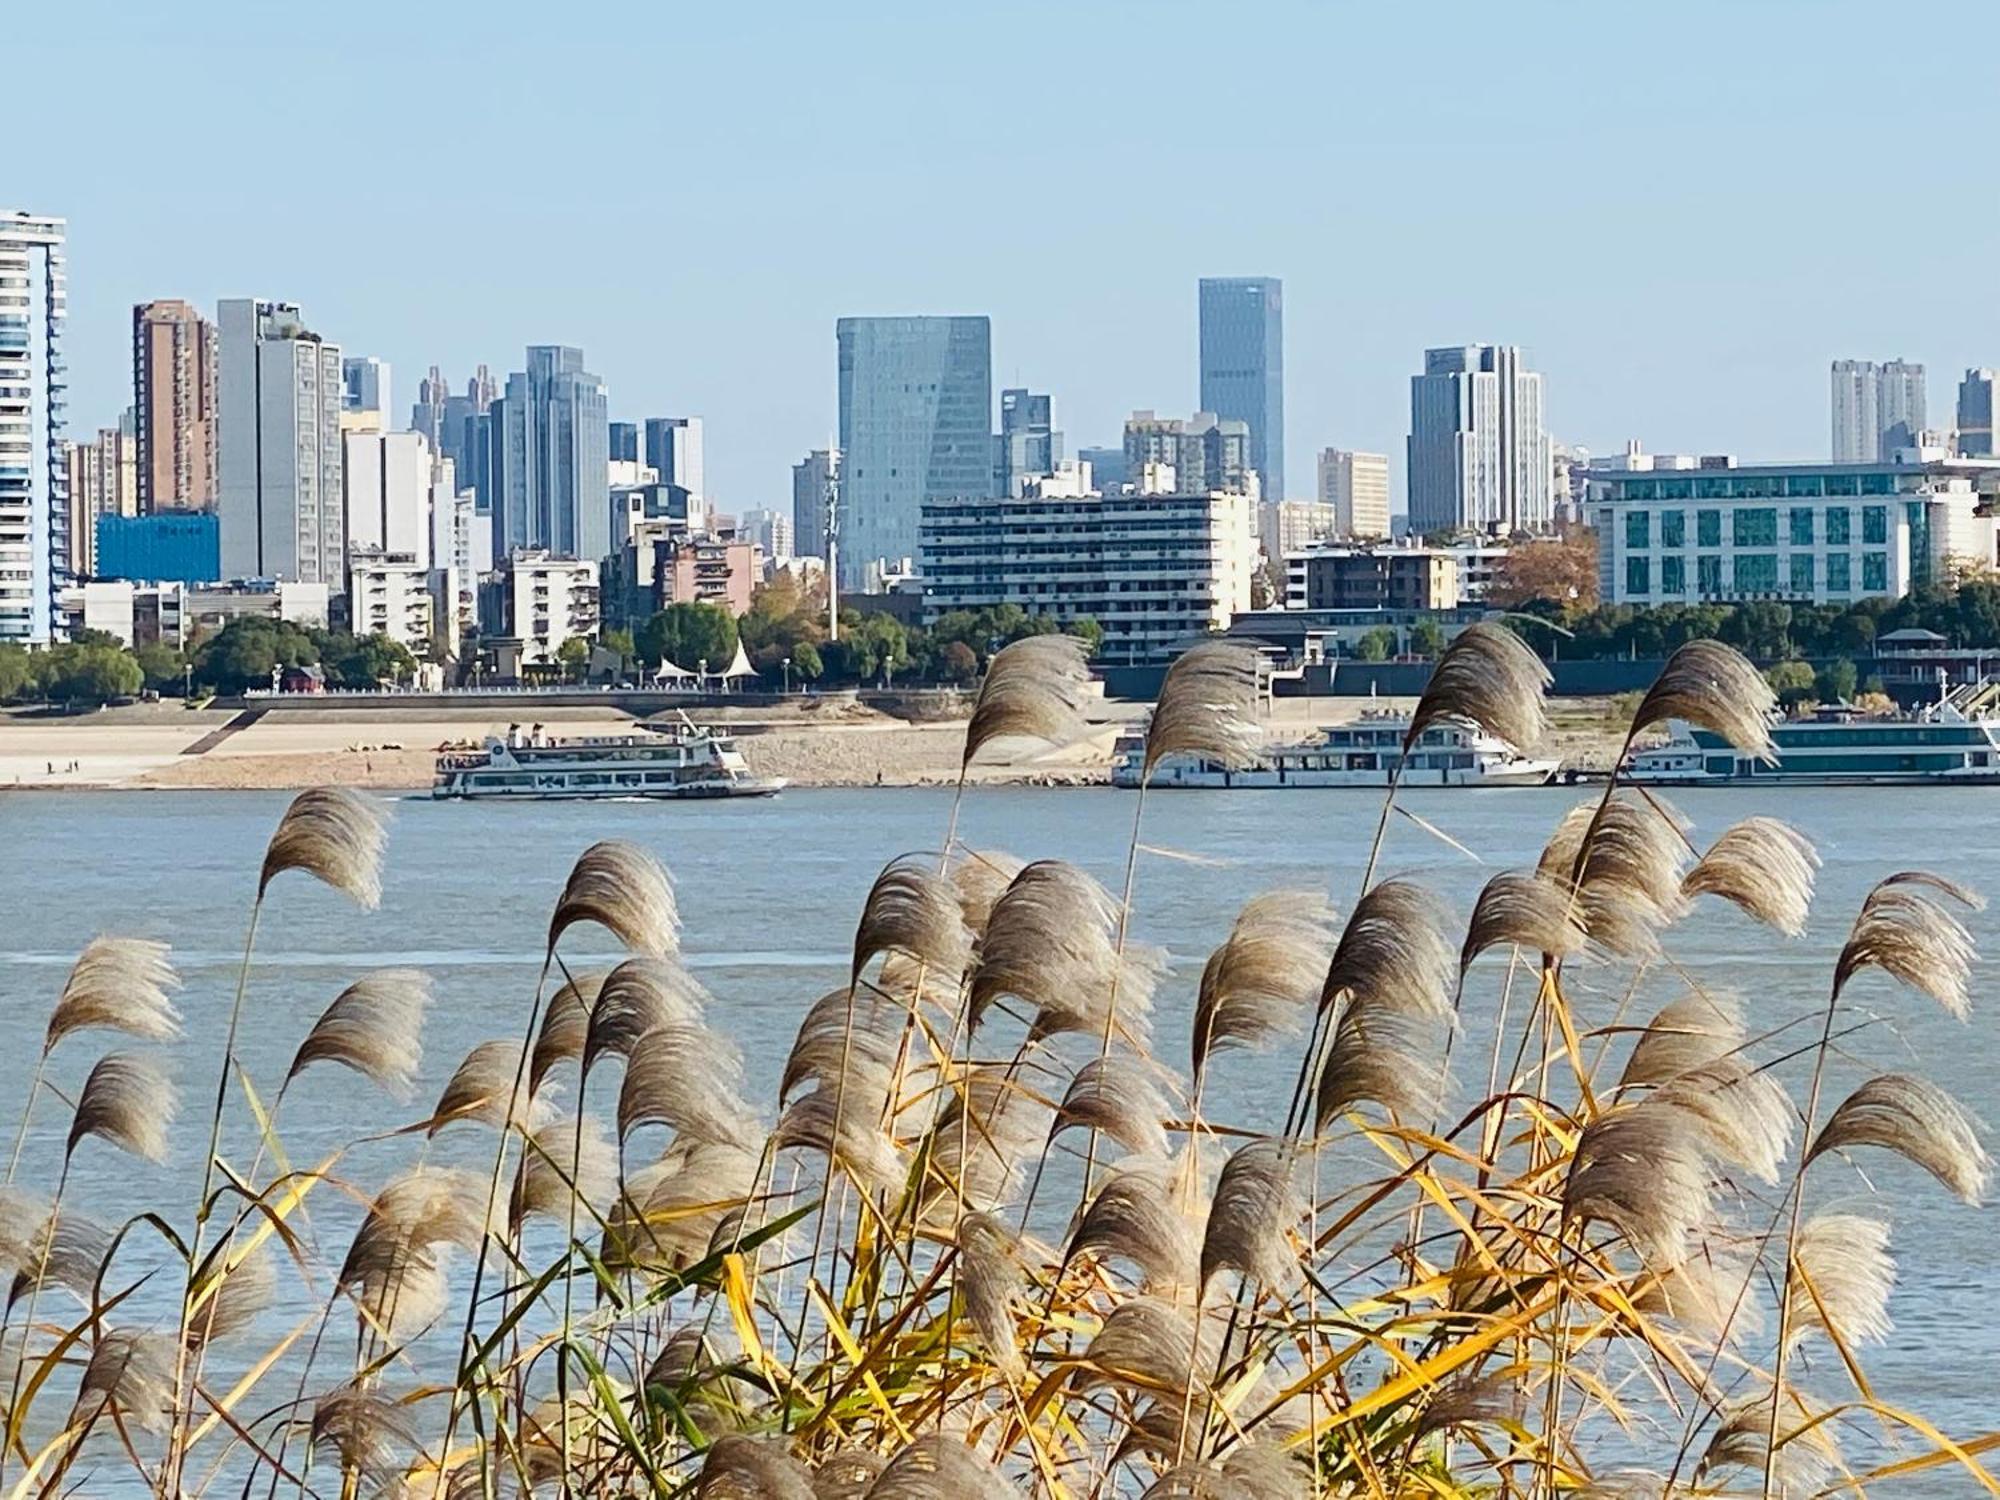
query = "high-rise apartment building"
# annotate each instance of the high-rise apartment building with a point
(1977, 403)
(365, 383)
(103, 481)
(34, 466)
(1029, 445)
(1479, 456)
(1204, 452)
(674, 452)
(278, 458)
(173, 403)
(387, 492)
(549, 441)
(1356, 485)
(1243, 366)
(1877, 409)
(815, 491)
(771, 530)
(916, 424)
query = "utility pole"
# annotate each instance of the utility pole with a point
(832, 558)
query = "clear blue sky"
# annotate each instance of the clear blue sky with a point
(1682, 210)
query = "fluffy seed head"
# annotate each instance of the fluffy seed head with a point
(989, 1279)
(333, 835)
(1118, 1095)
(1265, 978)
(129, 1101)
(1207, 707)
(1765, 867)
(1524, 909)
(624, 890)
(119, 984)
(637, 996)
(1488, 678)
(1911, 938)
(1843, 1276)
(130, 1376)
(1258, 1200)
(482, 1088)
(738, 1467)
(360, 1431)
(1137, 1216)
(913, 910)
(1713, 686)
(1032, 689)
(1916, 1120)
(565, 1026)
(374, 1027)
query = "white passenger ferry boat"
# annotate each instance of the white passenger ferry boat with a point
(1362, 754)
(682, 761)
(1953, 741)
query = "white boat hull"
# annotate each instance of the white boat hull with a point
(1519, 773)
(768, 786)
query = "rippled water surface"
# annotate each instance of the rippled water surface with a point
(769, 891)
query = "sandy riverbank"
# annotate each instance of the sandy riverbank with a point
(168, 746)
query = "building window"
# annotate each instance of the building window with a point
(1673, 575)
(1802, 572)
(1839, 573)
(1874, 524)
(1875, 572)
(1837, 519)
(1802, 526)
(1757, 572)
(1708, 576)
(1638, 528)
(1673, 528)
(1878, 484)
(1754, 526)
(1638, 576)
(1708, 528)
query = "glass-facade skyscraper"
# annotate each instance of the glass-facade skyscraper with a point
(549, 451)
(1029, 444)
(1243, 365)
(916, 424)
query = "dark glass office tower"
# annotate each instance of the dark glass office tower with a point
(1243, 365)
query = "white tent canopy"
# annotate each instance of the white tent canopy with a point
(668, 672)
(741, 666)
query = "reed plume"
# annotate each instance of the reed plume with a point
(1119, 1096)
(1745, 1113)
(1207, 707)
(1713, 687)
(1051, 942)
(129, 1101)
(1390, 984)
(118, 984)
(333, 835)
(687, 1078)
(831, 1121)
(626, 891)
(990, 1279)
(847, 1474)
(567, 1161)
(1913, 939)
(1137, 1216)
(1523, 909)
(1152, 1343)
(1487, 678)
(67, 1249)
(670, 1215)
(1258, 1200)
(638, 995)
(738, 1467)
(565, 1027)
(1689, 1033)
(481, 1089)
(1643, 1169)
(231, 1295)
(983, 1135)
(845, 1038)
(1249, 1471)
(1844, 1275)
(1799, 1463)
(980, 877)
(1763, 866)
(1474, 1401)
(395, 1265)
(361, 1431)
(1623, 856)
(373, 1027)
(1264, 979)
(1033, 689)
(129, 1377)
(914, 910)
(938, 1467)
(1916, 1120)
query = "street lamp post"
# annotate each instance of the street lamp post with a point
(788, 677)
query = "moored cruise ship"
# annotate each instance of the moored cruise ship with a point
(682, 761)
(1362, 754)
(1953, 741)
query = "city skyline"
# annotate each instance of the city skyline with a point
(1690, 339)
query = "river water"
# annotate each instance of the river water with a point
(769, 891)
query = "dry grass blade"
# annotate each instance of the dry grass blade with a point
(1136, 1216)
(333, 835)
(1911, 938)
(1151, 1342)
(1524, 909)
(1258, 1200)
(624, 890)
(1689, 1033)
(1844, 1276)
(637, 996)
(980, 876)
(375, 1026)
(481, 1088)
(1916, 1120)
(565, 1027)
(128, 1101)
(913, 910)
(1487, 677)
(1118, 1095)
(1806, 1456)
(66, 1249)
(1263, 981)
(118, 984)
(1642, 1168)
(939, 1467)
(1712, 685)
(1207, 707)
(543, 1182)
(361, 1432)
(1763, 866)
(130, 1376)
(1033, 689)
(737, 1467)
(688, 1078)
(989, 1279)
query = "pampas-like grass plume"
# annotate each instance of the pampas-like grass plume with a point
(1033, 689)
(1151, 1342)
(1746, 1114)
(1628, 879)
(847, 1038)
(130, 1377)
(1137, 1216)
(129, 1101)
(543, 1183)
(1916, 1120)
(1489, 678)
(1643, 1169)
(987, 1127)
(1263, 981)
(624, 890)
(989, 1279)
(1118, 1095)
(1258, 1199)
(1844, 1274)
(1394, 970)
(118, 984)
(1710, 1294)
(687, 1078)
(737, 1467)
(1207, 707)
(1911, 938)
(1765, 867)
(333, 835)
(1807, 1456)
(1689, 1033)
(481, 1088)
(360, 1432)
(1249, 1471)
(847, 1474)
(394, 1268)
(1478, 1401)
(1050, 943)
(637, 996)
(938, 1467)
(66, 1249)
(375, 1026)
(832, 1120)
(980, 876)
(565, 1027)
(231, 1296)
(671, 1213)
(913, 910)
(1712, 685)
(1525, 909)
